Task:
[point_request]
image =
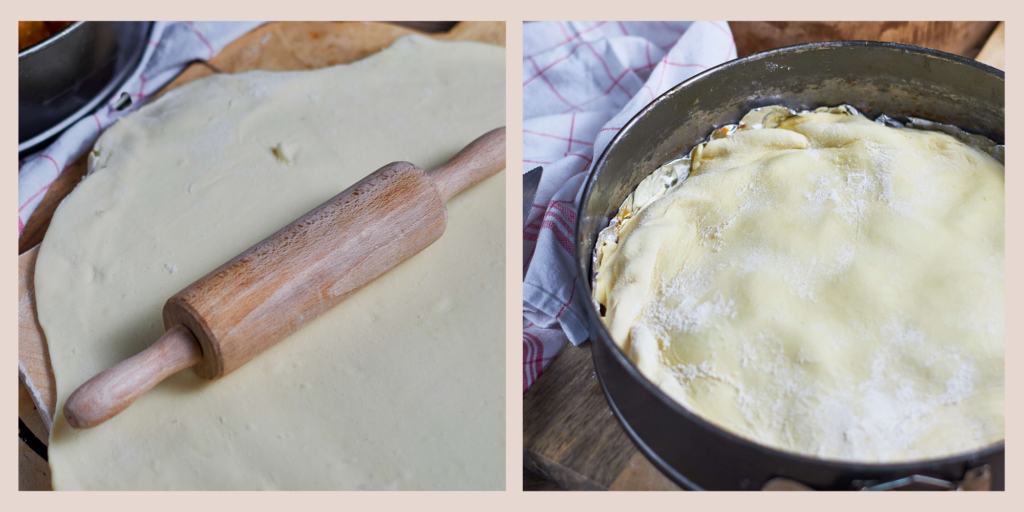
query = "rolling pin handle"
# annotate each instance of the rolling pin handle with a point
(481, 159)
(110, 392)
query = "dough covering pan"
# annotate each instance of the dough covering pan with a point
(898, 80)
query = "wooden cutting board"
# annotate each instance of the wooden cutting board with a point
(963, 38)
(571, 437)
(569, 433)
(284, 46)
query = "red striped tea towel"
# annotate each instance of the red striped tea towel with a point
(581, 82)
(170, 47)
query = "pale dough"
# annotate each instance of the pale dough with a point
(400, 387)
(831, 287)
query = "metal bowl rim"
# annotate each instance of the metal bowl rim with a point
(35, 142)
(45, 43)
(603, 336)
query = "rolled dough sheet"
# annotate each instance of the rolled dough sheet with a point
(831, 287)
(399, 387)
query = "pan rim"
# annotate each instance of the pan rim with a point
(583, 265)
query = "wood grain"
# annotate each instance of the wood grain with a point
(994, 51)
(492, 32)
(34, 370)
(33, 471)
(114, 389)
(964, 38)
(479, 160)
(571, 437)
(29, 415)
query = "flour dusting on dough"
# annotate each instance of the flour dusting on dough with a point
(816, 286)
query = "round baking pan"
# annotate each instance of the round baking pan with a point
(894, 79)
(65, 77)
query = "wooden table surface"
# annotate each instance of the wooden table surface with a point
(964, 38)
(570, 437)
(292, 46)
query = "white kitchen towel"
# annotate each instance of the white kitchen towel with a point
(581, 82)
(169, 49)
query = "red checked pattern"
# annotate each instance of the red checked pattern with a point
(170, 47)
(582, 81)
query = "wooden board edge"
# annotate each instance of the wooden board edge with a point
(34, 368)
(565, 477)
(994, 51)
(641, 475)
(29, 414)
(33, 471)
(492, 32)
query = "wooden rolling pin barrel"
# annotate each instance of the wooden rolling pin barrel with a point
(226, 318)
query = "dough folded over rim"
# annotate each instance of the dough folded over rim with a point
(831, 287)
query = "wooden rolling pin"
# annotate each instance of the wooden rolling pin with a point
(226, 318)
